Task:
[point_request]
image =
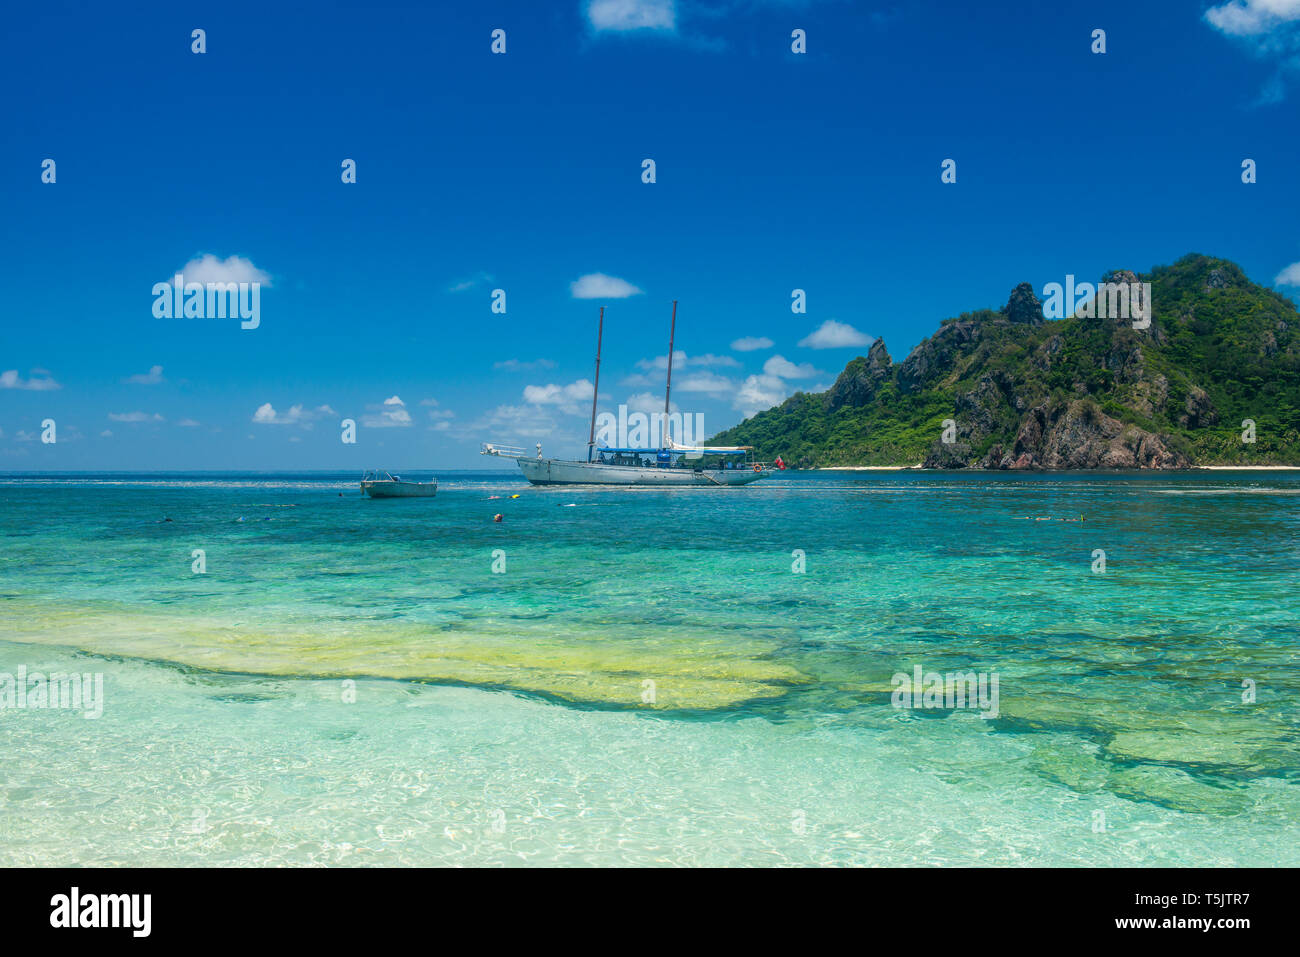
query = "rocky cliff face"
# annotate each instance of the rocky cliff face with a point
(1072, 436)
(934, 356)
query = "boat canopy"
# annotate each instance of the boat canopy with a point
(675, 448)
(710, 449)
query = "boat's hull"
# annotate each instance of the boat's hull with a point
(400, 489)
(560, 472)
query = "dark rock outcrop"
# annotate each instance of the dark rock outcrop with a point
(1198, 410)
(933, 357)
(1150, 395)
(1074, 435)
(861, 379)
(948, 455)
(979, 410)
(1078, 435)
(1023, 306)
(1125, 362)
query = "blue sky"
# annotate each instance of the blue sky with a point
(476, 171)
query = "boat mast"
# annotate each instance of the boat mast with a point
(595, 390)
(668, 390)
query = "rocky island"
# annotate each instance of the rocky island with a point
(1209, 376)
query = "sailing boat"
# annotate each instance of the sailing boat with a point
(670, 464)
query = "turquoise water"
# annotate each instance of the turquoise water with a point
(648, 680)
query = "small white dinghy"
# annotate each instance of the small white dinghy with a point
(380, 484)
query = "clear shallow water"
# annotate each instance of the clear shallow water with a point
(499, 718)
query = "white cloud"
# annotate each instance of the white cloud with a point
(37, 383)
(835, 335)
(783, 367)
(135, 417)
(1290, 276)
(437, 413)
(709, 383)
(1242, 18)
(208, 268)
(187, 423)
(681, 361)
(391, 414)
(1271, 30)
(297, 415)
(470, 283)
(709, 359)
(106, 434)
(648, 402)
(752, 343)
(565, 397)
(153, 377)
(571, 399)
(514, 423)
(597, 285)
(387, 419)
(759, 392)
(519, 365)
(621, 15)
